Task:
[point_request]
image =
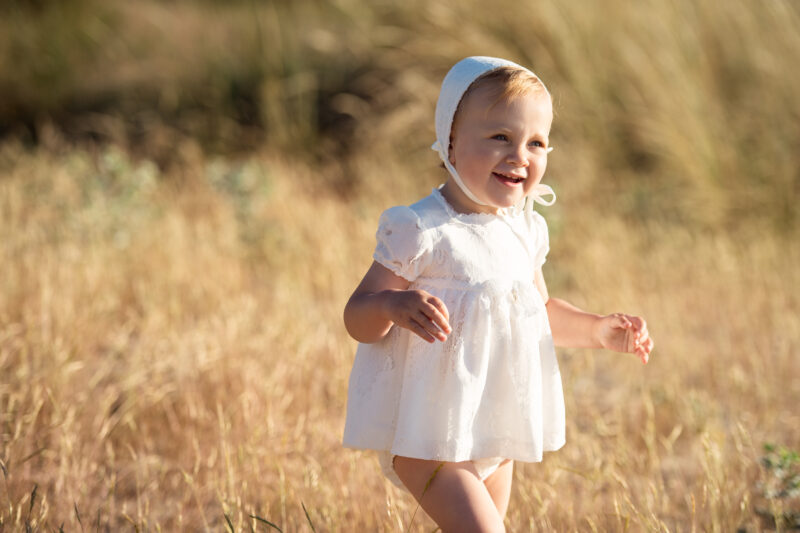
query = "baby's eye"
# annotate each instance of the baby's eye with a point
(500, 137)
(537, 144)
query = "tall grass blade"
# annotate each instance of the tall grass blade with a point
(228, 520)
(308, 518)
(77, 514)
(32, 455)
(265, 521)
(424, 490)
(33, 499)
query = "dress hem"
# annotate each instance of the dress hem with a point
(522, 457)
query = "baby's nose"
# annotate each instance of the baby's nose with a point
(518, 157)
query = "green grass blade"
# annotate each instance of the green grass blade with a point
(265, 521)
(33, 499)
(424, 490)
(308, 518)
(77, 514)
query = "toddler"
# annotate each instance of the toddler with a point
(455, 376)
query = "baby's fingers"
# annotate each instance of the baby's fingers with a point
(440, 315)
(429, 325)
(638, 324)
(620, 321)
(640, 333)
(417, 328)
(644, 349)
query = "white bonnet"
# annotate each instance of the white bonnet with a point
(455, 84)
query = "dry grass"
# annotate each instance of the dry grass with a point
(174, 354)
(171, 349)
(691, 110)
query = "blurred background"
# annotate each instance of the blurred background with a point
(189, 191)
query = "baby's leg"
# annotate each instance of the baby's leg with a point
(499, 486)
(456, 499)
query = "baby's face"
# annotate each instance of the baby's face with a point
(500, 151)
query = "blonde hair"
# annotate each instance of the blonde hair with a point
(507, 84)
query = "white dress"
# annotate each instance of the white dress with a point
(493, 389)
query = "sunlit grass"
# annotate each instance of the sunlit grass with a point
(680, 112)
(172, 355)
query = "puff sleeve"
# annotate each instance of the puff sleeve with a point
(403, 244)
(539, 238)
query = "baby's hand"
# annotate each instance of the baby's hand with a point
(625, 333)
(418, 311)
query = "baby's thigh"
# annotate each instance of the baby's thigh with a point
(455, 497)
(499, 486)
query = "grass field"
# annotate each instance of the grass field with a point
(172, 354)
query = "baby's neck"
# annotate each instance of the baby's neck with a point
(460, 203)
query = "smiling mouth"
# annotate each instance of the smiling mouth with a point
(507, 179)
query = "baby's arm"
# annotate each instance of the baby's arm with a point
(574, 328)
(382, 299)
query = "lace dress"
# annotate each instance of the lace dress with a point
(493, 389)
